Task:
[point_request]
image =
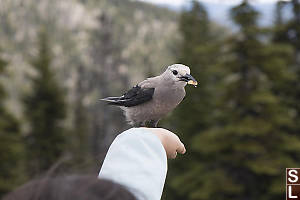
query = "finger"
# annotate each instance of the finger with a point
(173, 156)
(181, 149)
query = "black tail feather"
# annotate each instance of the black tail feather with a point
(117, 101)
(110, 98)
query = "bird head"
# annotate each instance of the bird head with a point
(181, 74)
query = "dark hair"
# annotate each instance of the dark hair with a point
(71, 187)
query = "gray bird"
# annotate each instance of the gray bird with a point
(149, 101)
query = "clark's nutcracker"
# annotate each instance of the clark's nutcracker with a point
(147, 102)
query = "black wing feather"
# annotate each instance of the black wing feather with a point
(134, 96)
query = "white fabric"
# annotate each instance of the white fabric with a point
(137, 160)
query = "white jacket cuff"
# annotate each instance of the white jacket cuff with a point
(137, 160)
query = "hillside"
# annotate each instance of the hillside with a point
(135, 28)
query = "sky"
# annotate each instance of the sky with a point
(178, 3)
(219, 9)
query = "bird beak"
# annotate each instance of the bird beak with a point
(189, 79)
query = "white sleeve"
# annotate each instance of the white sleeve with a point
(137, 160)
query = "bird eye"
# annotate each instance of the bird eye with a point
(175, 72)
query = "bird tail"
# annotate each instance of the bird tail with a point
(113, 100)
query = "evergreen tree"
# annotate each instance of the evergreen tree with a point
(287, 32)
(11, 147)
(45, 110)
(107, 59)
(200, 50)
(79, 141)
(244, 152)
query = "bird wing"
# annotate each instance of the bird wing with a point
(138, 95)
(135, 96)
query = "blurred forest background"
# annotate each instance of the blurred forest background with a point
(240, 126)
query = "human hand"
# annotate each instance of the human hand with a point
(170, 141)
